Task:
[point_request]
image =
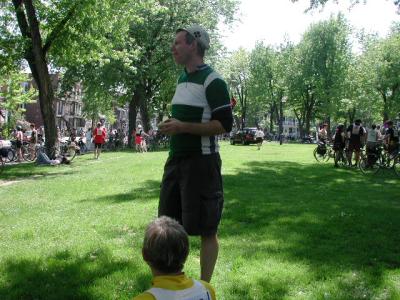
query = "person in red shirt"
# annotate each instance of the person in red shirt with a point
(99, 138)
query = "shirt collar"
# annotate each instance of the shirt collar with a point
(198, 68)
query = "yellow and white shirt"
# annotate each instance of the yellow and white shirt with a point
(178, 287)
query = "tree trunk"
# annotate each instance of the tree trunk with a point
(144, 114)
(351, 114)
(132, 119)
(385, 107)
(271, 119)
(237, 122)
(36, 57)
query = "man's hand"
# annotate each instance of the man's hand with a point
(171, 126)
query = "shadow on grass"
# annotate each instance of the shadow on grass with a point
(31, 169)
(64, 276)
(334, 220)
(149, 190)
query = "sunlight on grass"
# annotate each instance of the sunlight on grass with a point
(292, 228)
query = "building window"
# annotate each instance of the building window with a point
(60, 108)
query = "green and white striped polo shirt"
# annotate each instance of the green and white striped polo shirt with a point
(198, 95)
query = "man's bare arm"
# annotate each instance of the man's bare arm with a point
(174, 126)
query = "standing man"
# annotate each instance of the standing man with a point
(355, 134)
(323, 133)
(99, 138)
(392, 138)
(191, 189)
(19, 140)
(33, 141)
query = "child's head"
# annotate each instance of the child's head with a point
(165, 245)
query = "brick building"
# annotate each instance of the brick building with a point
(67, 107)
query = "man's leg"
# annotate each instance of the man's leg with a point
(358, 152)
(349, 156)
(208, 256)
(99, 151)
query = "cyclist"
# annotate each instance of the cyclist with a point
(372, 138)
(323, 133)
(380, 136)
(33, 141)
(19, 137)
(392, 138)
(355, 133)
(339, 143)
(372, 143)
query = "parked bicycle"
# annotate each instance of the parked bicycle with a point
(341, 159)
(378, 159)
(323, 152)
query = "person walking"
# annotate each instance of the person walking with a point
(19, 137)
(99, 138)
(259, 135)
(191, 188)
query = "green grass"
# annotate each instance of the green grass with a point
(291, 229)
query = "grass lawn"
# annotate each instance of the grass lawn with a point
(291, 229)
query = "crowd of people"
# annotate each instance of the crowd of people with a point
(352, 139)
(94, 139)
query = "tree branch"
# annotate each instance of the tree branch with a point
(58, 29)
(21, 18)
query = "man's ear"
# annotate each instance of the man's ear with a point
(193, 45)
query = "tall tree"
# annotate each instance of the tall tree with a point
(48, 30)
(383, 58)
(140, 62)
(261, 89)
(237, 72)
(329, 51)
(318, 3)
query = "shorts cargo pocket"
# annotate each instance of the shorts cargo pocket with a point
(211, 211)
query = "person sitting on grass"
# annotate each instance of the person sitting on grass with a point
(165, 249)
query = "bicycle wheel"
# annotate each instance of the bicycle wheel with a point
(71, 153)
(320, 157)
(10, 156)
(329, 154)
(369, 164)
(26, 153)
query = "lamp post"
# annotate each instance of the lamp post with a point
(283, 100)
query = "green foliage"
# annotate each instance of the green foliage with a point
(383, 60)
(318, 3)
(15, 96)
(137, 57)
(236, 72)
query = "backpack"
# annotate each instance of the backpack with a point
(321, 149)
